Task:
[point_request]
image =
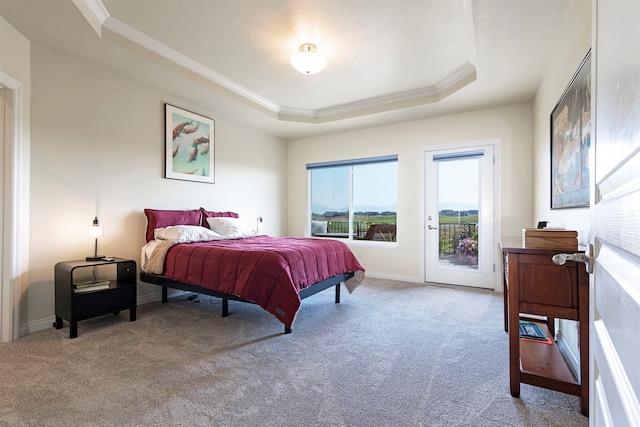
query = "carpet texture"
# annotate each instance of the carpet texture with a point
(390, 354)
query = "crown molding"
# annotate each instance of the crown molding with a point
(94, 12)
(115, 30)
(450, 84)
(128, 36)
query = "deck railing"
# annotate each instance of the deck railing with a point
(359, 227)
(449, 234)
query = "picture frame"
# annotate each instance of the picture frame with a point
(189, 146)
(571, 141)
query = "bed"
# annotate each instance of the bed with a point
(212, 253)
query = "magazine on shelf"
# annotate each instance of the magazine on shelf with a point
(91, 286)
(531, 331)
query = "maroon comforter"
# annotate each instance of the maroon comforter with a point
(269, 271)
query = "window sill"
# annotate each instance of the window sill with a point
(372, 244)
(356, 242)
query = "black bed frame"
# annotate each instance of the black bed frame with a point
(166, 283)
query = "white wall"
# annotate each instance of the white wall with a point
(573, 45)
(98, 149)
(511, 124)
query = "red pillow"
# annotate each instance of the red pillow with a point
(162, 218)
(209, 214)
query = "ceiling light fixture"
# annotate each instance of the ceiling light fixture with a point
(307, 60)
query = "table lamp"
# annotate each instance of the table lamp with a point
(96, 232)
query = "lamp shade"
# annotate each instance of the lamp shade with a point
(96, 232)
(96, 229)
(307, 60)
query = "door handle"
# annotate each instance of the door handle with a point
(431, 227)
(560, 259)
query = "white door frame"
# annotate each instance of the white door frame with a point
(15, 213)
(497, 154)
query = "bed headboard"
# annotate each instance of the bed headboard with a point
(158, 218)
(210, 214)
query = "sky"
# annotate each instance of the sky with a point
(458, 184)
(376, 186)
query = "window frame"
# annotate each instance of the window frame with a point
(349, 163)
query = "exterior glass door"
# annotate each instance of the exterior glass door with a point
(459, 217)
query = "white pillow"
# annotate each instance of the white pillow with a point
(229, 227)
(186, 233)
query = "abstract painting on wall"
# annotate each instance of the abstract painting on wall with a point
(570, 142)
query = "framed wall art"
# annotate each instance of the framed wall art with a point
(189, 145)
(570, 142)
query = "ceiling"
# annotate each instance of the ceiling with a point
(388, 61)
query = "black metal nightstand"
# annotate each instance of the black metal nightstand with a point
(87, 289)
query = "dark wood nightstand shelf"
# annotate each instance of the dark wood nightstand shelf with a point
(542, 363)
(534, 285)
(116, 292)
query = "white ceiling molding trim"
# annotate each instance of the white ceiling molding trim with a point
(94, 12)
(108, 27)
(120, 32)
(450, 84)
(133, 39)
(471, 32)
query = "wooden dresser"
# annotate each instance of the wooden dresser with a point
(534, 285)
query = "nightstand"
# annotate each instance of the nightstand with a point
(87, 289)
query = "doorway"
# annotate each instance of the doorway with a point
(459, 213)
(11, 182)
(3, 293)
(4, 289)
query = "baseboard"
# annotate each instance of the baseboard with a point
(22, 331)
(146, 299)
(47, 322)
(39, 325)
(566, 352)
(157, 296)
(397, 277)
(410, 279)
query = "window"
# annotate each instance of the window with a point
(355, 199)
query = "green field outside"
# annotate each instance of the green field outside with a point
(369, 219)
(392, 219)
(449, 235)
(377, 219)
(458, 219)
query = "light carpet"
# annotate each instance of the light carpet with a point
(390, 354)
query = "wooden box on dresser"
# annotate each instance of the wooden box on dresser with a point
(534, 285)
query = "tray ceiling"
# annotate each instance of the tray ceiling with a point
(388, 61)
